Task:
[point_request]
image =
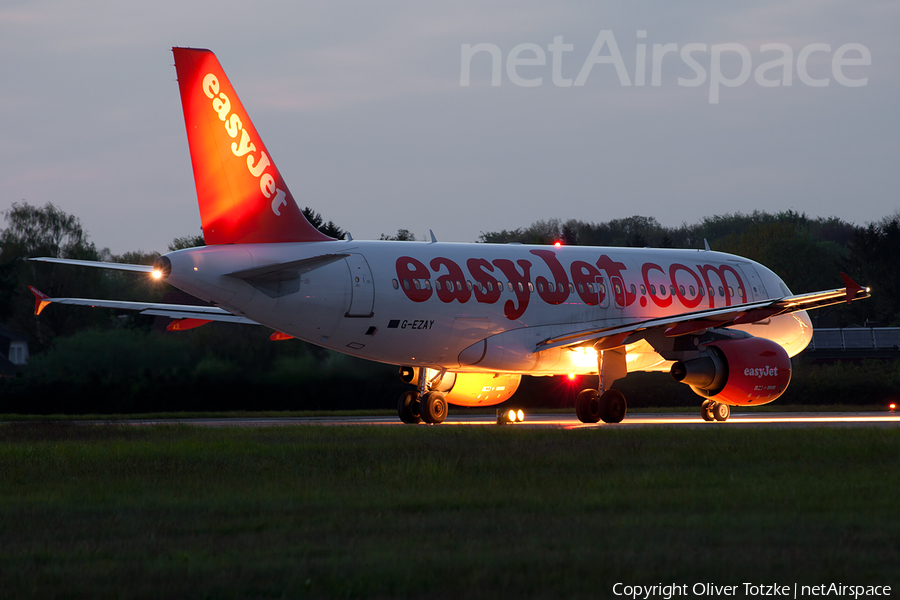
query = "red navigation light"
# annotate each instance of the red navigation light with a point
(892, 406)
(557, 244)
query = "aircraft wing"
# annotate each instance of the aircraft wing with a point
(684, 323)
(174, 311)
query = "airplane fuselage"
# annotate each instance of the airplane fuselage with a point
(476, 307)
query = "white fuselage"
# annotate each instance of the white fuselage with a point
(477, 307)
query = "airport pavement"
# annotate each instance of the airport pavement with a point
(568, 420)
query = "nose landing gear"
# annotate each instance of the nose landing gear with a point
(424, 404)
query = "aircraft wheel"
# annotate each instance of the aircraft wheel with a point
(587, 406)
(706, 410)
(408, 408)
(433, 407)
(612, 406)
(720, 411)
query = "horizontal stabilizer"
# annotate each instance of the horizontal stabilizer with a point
(286, 270)
(173, 311)
(96, 263)
(282, 279)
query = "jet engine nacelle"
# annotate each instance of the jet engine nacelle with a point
(467, 389)
(737, 372)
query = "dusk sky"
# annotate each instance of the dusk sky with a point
(377, 119)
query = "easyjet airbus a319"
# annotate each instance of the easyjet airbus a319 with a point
(465, 321)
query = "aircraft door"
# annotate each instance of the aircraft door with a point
(362, 287)
(755, 288)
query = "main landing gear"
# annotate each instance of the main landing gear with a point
(711, 410)
(430, 408)
(606, 404)
(422, 405)
(591, 406)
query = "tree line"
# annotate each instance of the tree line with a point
(98, 360)
(808, 253)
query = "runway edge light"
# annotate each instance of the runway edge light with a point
(510, 416)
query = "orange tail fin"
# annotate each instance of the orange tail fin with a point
(243, 198)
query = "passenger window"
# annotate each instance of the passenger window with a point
(396, 284)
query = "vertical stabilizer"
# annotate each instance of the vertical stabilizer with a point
(242, 196)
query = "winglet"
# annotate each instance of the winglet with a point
(853, 288)
(41, 300)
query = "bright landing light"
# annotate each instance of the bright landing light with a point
(156, 274)
(584, 358)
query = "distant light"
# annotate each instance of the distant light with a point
(892, 406)
(557, 244)
(520, 415)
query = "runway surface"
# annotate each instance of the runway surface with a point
(570, 421)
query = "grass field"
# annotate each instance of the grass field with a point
(96, 511)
